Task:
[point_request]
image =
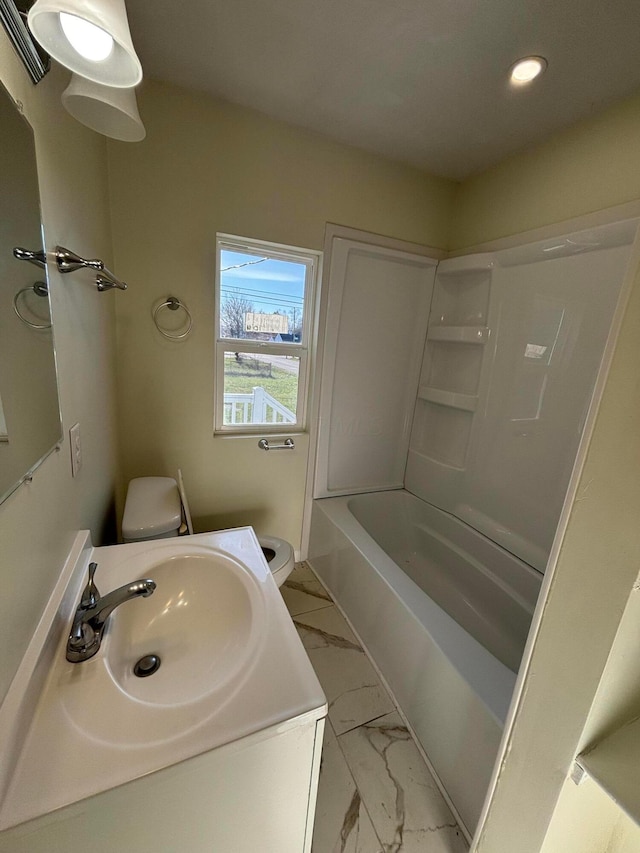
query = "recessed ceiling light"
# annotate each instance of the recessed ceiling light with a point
(527, 69)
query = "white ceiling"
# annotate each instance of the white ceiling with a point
(420, 81)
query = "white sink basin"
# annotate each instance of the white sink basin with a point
(201, 621)
(205, 621)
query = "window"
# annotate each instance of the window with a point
(264, 303)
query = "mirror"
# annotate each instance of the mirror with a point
(30, 424)
(13, 14)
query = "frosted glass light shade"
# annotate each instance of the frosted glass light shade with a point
(120, 67)
(112, 112)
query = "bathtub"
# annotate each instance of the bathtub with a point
(444, 613)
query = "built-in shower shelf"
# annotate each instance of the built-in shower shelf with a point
(465, 264)
(466, 402)
(614, 764)
(459, 334)
(443, 464)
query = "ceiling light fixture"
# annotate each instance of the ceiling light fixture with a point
(91, 37)
(527, 69)
(90, 41)
(111, 112)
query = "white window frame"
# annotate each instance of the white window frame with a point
(311, 258)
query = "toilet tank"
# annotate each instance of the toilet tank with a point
(152, 509)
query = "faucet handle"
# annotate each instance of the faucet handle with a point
(90, 593)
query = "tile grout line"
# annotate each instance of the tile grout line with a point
(329, 602)
(314, 610)
(366, 723)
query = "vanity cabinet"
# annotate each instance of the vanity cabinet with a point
(258, 794)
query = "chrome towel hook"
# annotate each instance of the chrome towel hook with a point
(173, 304)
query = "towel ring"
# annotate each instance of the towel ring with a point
(173, 304)
(40, 289)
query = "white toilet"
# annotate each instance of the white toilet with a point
(157, 508)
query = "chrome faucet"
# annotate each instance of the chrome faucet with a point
(93, 611)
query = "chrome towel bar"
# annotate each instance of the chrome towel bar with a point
(106, 280)
(38, 257)
(68, 261)
(288, 444)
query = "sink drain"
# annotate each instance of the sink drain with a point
(147, 666)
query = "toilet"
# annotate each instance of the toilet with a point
(157, 508)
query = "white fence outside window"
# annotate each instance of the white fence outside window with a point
(259, 407)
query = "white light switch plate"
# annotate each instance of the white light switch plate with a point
(76, 449)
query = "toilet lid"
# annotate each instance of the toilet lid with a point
(152, 508)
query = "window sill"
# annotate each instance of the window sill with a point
(265, 433)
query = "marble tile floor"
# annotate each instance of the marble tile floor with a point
(376, 794)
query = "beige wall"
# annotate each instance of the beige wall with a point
(591, 166)
(588, 821)
(585, 815)
(207, 166)
(39, 521)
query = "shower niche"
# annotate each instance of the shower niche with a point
(514, 345)
(450, 378)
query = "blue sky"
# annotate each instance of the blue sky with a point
(270, 285)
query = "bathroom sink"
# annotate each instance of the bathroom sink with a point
(232, 669)
(205, 622)
(198, 623)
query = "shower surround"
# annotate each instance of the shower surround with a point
(451, 414)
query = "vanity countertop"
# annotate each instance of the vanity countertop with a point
(92, 731)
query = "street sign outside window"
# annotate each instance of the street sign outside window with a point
(275, 324)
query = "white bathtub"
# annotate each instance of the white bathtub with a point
(443, 611)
